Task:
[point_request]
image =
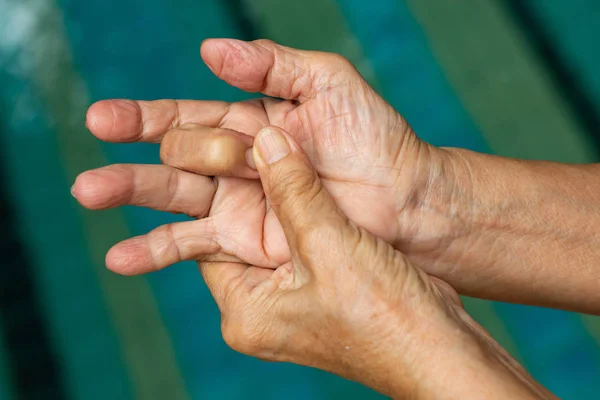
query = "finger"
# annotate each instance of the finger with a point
(148, 121)
(154, 186)
(162, 247)
(274, 70)
(208, 151)
(293, 187)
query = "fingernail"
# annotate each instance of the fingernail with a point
(272, 145)
(250, 158)
(73, 190)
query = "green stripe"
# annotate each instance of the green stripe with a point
(292, 23)
(145, 342)
(504, 87)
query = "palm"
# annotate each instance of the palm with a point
(346, 147)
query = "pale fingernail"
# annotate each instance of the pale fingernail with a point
(272, 145)
(73, 190)
(250, 158)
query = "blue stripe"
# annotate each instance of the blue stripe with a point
(413, 82)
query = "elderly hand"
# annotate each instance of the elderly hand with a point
(349, 303)
(367, 156)
(476, 221)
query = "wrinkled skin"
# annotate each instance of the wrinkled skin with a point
(351, 304)
(365, 153)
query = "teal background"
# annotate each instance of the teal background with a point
(465, 74)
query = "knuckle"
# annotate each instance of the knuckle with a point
(188, 126)
(173, 184)
(338, 71)
(242, 336)
(307, 241)
(265, 43)
(173, 143)
(295, 184)
(222, 154)
(339, 59)
(166, 150)
(315, 241)
(163, 246)
(339, 62)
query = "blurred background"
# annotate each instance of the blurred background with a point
(513, 77)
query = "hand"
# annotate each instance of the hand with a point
(463, 217)
(349, 303)
(367, 156)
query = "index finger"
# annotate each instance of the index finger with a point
(126, 121)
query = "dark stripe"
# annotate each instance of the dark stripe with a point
(290, 24)
(30, 358)
(568, 83)
(240, 14)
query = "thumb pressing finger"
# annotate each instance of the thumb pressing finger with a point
(293, 187)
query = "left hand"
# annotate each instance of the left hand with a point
(349, 303)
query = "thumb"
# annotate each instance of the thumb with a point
(275, 70)
(293, 187)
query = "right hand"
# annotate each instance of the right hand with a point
(368, 157)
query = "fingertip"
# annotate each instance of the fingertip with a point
(239, 63)
(114, 120)
(129, 258)
(84, 189)
(212, 52)
(273, 143)
(100, 119)
(96, 189)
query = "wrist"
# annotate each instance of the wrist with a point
(470, 217)
(433, 214)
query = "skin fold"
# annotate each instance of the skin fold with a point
(491, 227)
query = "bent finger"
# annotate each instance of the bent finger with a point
(209, 151)
(162, 247)
(294, 188)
